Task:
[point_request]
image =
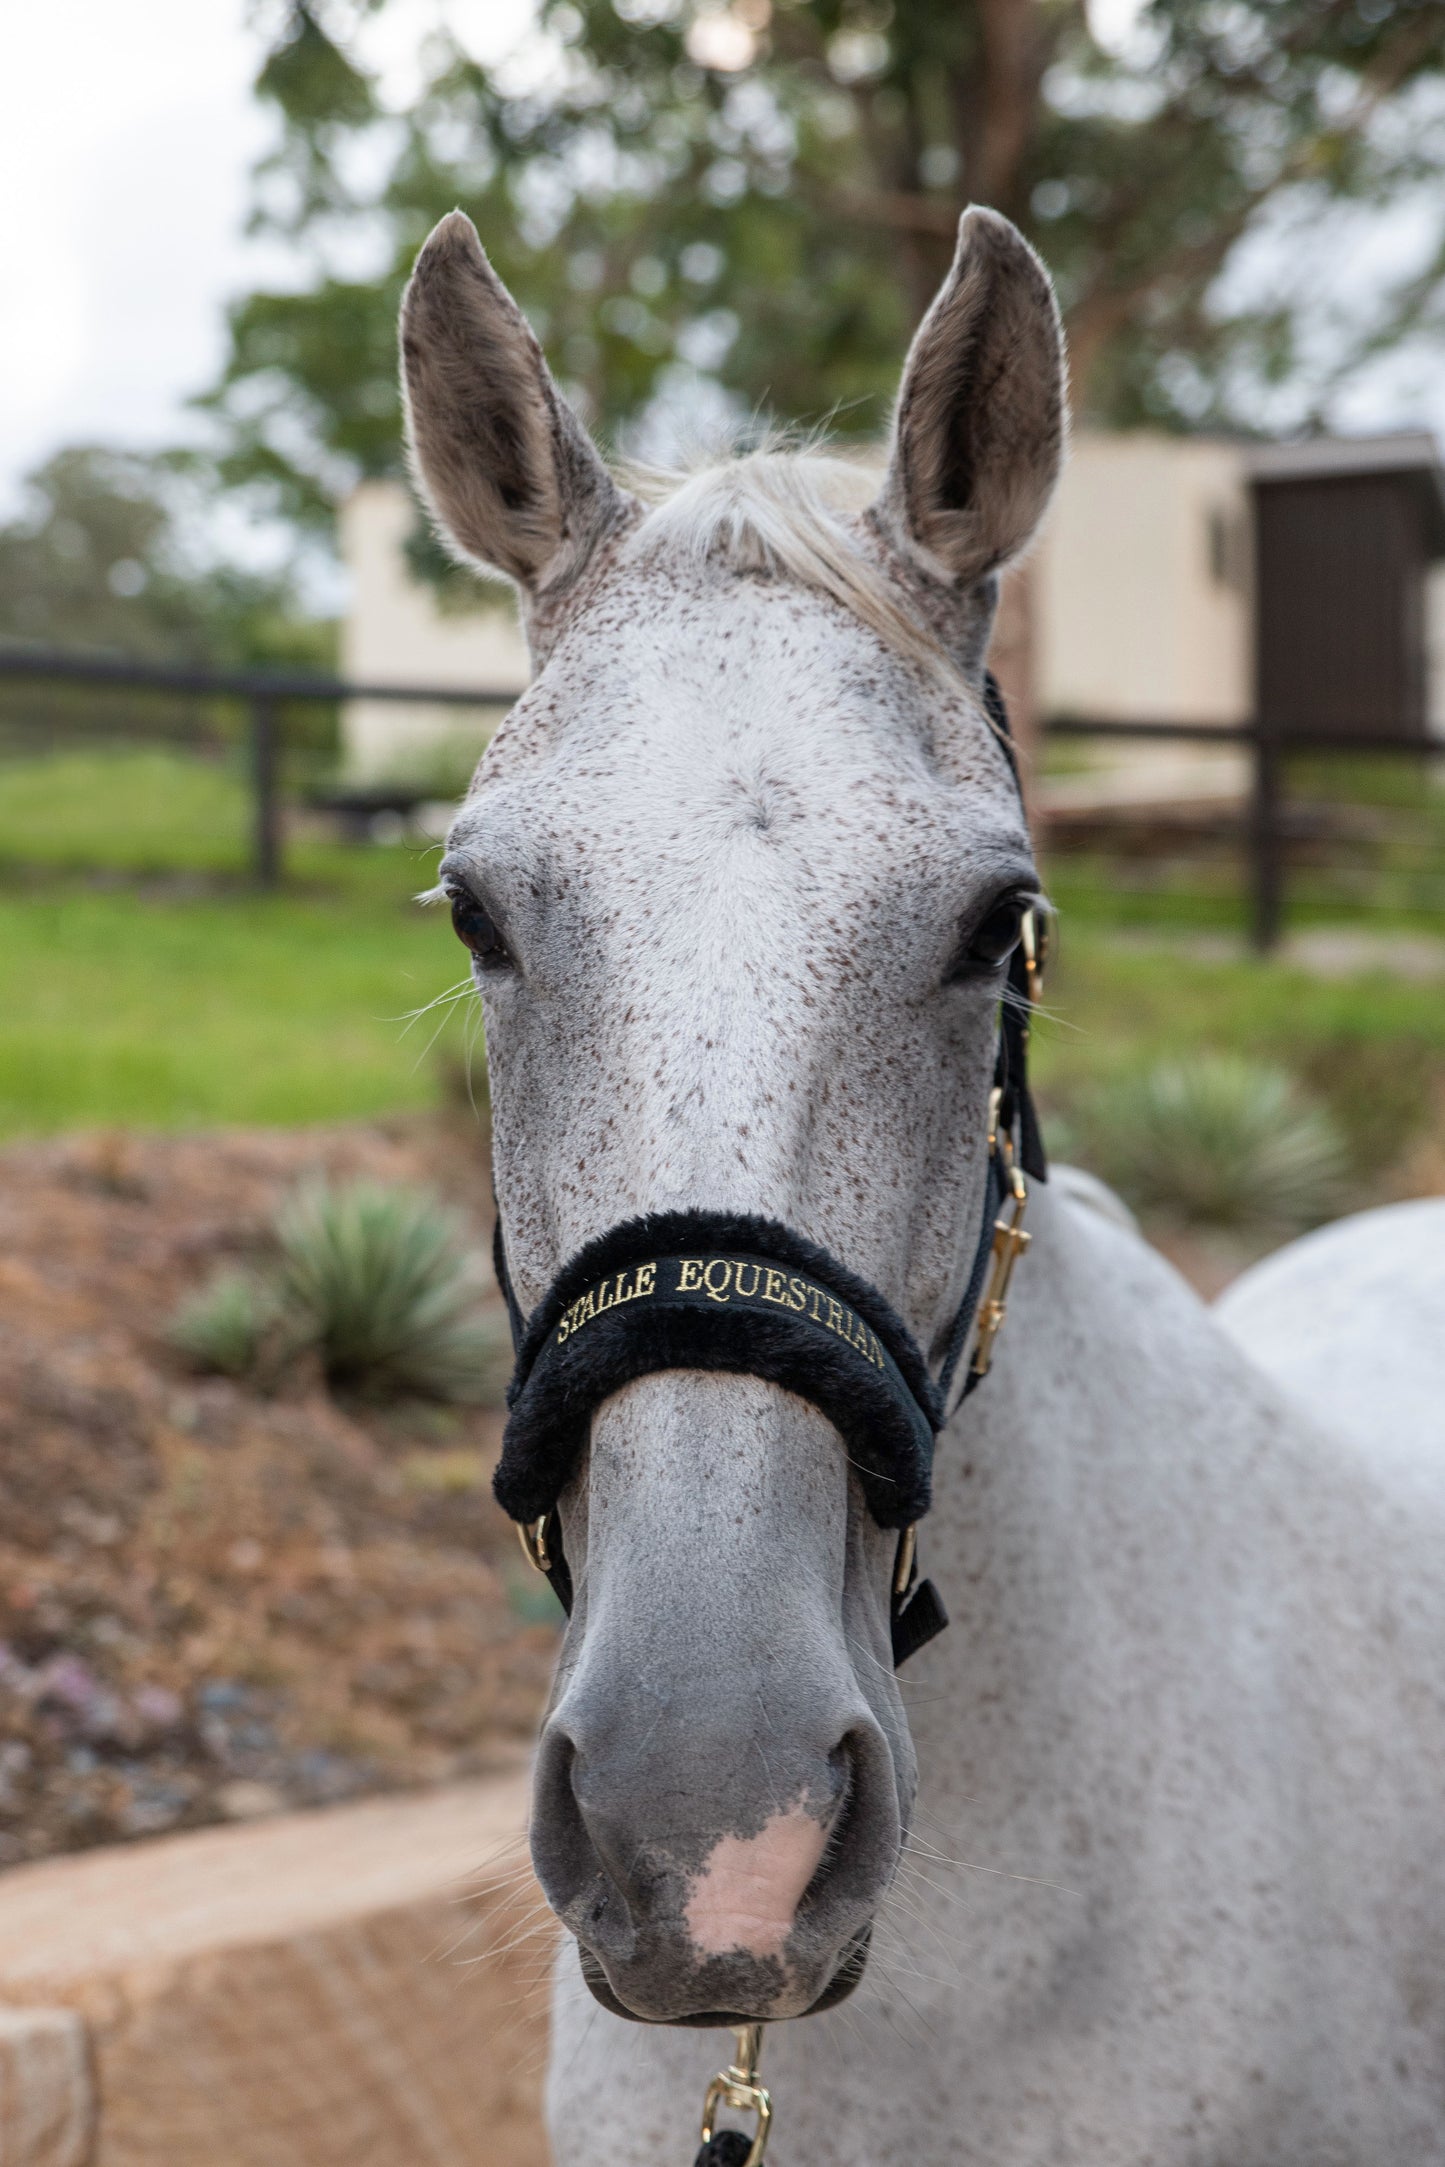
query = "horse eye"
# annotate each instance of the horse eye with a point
(996, 937)
(476, 929)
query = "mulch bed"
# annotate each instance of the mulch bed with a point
(217, 1602)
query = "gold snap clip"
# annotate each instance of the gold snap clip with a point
(737, 2087)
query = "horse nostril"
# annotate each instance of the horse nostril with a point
(666, 1864)
(843, 1772)
(563, 1853)
(585, 1860)
(842, 1766)
(863, 1831)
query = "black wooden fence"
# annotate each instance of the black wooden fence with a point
(1268, 748)
(266, 693)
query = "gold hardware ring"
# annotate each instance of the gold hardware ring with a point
(532, 1535)
(737, 2087)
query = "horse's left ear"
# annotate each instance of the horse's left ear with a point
(978, 436)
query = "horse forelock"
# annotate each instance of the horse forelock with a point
(786, 512)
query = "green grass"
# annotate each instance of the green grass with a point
(1370, 1046)
(164, 1004)
(131, 996)
(124, 811)
(170, 1013)
(1380, 861)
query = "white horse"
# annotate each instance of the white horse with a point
(1351, 1320)
(1153, 1861)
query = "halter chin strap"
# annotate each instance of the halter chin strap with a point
(735, 1293)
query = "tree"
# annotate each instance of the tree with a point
(110, 556)
(106, 556)
(760, 196)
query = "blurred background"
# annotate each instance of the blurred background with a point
(250, 1361)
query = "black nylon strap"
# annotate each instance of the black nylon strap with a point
(515, 1318)
(968, 1307)
(728, 2148)
(918, 1617)
(1017, 1106)
(996, 708)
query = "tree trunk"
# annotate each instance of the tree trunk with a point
(1016, 47)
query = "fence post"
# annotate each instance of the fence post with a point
(1266, 839)
(267, 829)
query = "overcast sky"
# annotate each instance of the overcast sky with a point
(126, 134)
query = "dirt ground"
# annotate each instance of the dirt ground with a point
(215, 1603)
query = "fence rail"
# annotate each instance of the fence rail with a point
(265, 692)
(1268, 747)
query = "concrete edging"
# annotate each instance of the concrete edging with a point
(354, 1986)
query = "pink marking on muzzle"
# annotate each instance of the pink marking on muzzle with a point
(749, 1887)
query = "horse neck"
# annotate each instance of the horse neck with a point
(1086, 1519)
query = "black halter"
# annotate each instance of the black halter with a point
(727, 1292)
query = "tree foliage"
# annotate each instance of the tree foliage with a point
(758, 197)
(107, 555)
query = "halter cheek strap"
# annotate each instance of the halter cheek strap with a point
(736, 1293)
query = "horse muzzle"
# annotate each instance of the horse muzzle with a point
(709, 1875)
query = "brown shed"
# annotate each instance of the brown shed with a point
(1344, 532)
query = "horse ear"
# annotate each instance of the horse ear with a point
(979, 431)
(509, 474)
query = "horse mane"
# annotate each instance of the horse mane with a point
(784, 511)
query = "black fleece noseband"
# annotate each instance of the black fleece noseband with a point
(716, 1291)
(729, 1292)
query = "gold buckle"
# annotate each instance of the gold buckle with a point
(737, 2087)
(532, 1535)
(1034, 934)
(1009, 1243)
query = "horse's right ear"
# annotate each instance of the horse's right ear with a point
(978, 437)
(510, 476)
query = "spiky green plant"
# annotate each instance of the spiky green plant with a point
(378, 1281)
(1216, 1141)
(225, 1327)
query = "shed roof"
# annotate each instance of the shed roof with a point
(1413, 455)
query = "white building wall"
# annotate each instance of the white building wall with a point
(1139, 599)
(1141, 586)
(396, 633)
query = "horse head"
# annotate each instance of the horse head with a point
(740, 875)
